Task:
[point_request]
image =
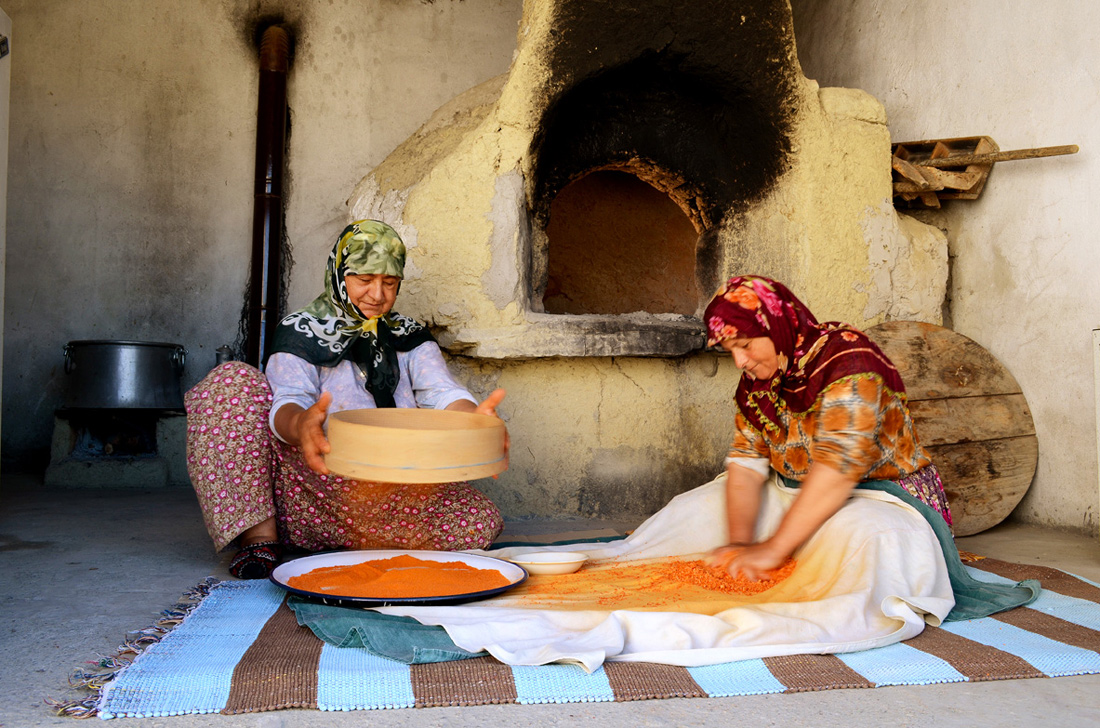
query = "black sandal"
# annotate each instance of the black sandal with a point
(257, 560)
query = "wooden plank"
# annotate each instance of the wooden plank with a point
(985, 145)
(984, 481)
(905, 188)
(971, 419)
(909, 172)
(941, 179)
(935, 362)
(946, 185)
(927, 156)
(930, 199)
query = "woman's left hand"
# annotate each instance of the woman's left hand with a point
(487, 407)
(721, 557)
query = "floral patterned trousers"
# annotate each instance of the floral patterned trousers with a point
(244, 475)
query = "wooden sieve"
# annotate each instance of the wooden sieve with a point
(406, 445)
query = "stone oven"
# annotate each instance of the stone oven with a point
(568, 221)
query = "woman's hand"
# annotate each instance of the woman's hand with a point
(311, 434)
(305, 428)
(487, 407)
(721, 557)
(821, 494)
(755, 562)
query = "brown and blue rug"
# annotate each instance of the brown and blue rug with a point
(239, 649)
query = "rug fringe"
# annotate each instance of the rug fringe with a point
(108, 667)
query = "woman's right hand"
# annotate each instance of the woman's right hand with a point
(305, 428)
(311, 434)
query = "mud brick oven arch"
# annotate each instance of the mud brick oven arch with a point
(588, 202)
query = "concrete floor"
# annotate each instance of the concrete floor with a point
(82, 567)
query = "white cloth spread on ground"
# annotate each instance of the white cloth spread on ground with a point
(873, 574)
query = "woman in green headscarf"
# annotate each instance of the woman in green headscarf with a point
(256, 443)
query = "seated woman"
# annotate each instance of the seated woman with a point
(819, 403)
(256, 443)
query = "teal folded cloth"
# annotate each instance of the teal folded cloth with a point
(973, 598)
(402, 639)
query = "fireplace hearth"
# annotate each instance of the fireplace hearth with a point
(117, 449)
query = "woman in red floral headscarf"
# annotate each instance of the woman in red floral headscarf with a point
(819, 403)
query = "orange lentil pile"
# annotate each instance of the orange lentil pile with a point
(697, 573)
(400, 577)
(650, 585)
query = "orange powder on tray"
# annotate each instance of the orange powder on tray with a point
(400, 577)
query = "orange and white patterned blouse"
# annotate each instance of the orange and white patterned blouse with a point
(857, 426)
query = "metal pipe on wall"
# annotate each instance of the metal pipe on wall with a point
(267, 220)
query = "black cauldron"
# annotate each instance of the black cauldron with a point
(124, 374)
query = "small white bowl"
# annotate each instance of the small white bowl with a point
(551, 562)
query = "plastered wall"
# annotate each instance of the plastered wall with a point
(130, 209)
(132, 154)
(1024, 256)
(612, 438)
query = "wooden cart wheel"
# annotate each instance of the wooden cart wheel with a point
(970, 415)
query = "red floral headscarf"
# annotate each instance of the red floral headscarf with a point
(811, 355)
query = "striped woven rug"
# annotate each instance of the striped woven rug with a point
(242, 651)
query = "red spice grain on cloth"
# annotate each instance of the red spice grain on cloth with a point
(657, 584)
(399, 577)
(699, 574)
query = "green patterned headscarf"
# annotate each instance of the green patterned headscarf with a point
(332, 328)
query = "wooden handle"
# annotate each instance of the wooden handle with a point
(991, 157)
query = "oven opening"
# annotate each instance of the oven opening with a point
(618, 245)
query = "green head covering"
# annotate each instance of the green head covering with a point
(332, 328)
(371, 247)
(366, 247)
